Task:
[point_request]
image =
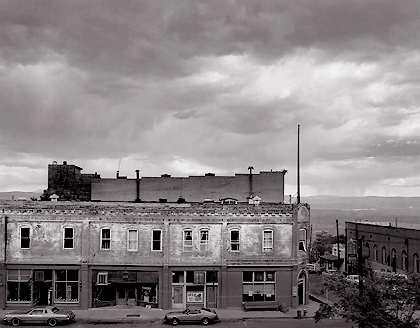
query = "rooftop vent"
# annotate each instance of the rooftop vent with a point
(210, 174)
(165, 175)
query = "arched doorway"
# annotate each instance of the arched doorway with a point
(302, 288)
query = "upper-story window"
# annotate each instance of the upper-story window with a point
(102, 278)
(302, 240)
(234, 240)
(156, 240)
(132, 240)
(375, 252)
(384, 257)
(68, 238)
(204, 240)
(188, 240)
(267, 240)
(105, 238)
(416, 263)
(25, 237)
(404, 261)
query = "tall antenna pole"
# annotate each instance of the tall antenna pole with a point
(298, 168)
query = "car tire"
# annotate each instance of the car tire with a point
(52, 322)
(205, 321)
(175, 322)
(16, 322)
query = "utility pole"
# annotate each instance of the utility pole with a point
(360, 263)
(298, 167)
(338, 244)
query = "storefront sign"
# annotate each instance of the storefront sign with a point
(194, 297)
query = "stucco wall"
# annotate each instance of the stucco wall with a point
(46, 240)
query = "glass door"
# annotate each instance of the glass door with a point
(178, 297)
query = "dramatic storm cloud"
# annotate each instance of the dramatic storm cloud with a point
(190, 87)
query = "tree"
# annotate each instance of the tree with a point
(323, 242)
(381, 300)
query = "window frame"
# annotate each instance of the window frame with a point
(416, 263)
(404, 260)
(153, 241)
(66, 238)
(235, 243)
(204, 243)
(303, 241)
(266, 281)
(102, 239)
(136, 240)
(28, 239)
(269, 248)
(102, 279)
(384, 255)
(375, 253)
(187, 247)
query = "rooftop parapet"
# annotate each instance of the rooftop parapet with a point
(142, 209)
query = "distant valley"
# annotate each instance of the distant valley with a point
(325, 210)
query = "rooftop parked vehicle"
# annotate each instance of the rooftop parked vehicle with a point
(203, 315)
(50, 315)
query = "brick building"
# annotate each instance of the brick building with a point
(69, 183)
(393, 247)
(82, 255)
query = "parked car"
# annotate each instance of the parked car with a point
(49, 314)
(313, 267)
(329, 272)
(353, 278)
(203, 315)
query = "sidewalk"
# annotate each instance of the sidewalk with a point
(128, 314)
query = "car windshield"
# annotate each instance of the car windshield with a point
(186, 311)
(55, 309)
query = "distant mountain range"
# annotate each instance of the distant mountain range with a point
(325, 210)
(15, 195)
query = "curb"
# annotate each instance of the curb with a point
(104, 321)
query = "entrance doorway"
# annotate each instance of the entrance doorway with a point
(42, 287)
(126, 295)
(302, 288)
(178, 297)
(211, 297)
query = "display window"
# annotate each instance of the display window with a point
(258, 286)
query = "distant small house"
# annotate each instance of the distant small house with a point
(54, 197)
(228, 201)
(21, 198)
(254, 200)
(331, 262)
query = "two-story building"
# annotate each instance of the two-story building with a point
(83, 255)
(389, 246)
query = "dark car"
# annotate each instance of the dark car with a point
(50, 315)
(203, 315)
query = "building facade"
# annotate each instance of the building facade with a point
(392, 247)
(82, 255)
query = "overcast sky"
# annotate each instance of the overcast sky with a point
(190, 87)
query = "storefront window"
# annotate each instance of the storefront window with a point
(258, 286)
(66, 286)
(178, 277)
(18, 288)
